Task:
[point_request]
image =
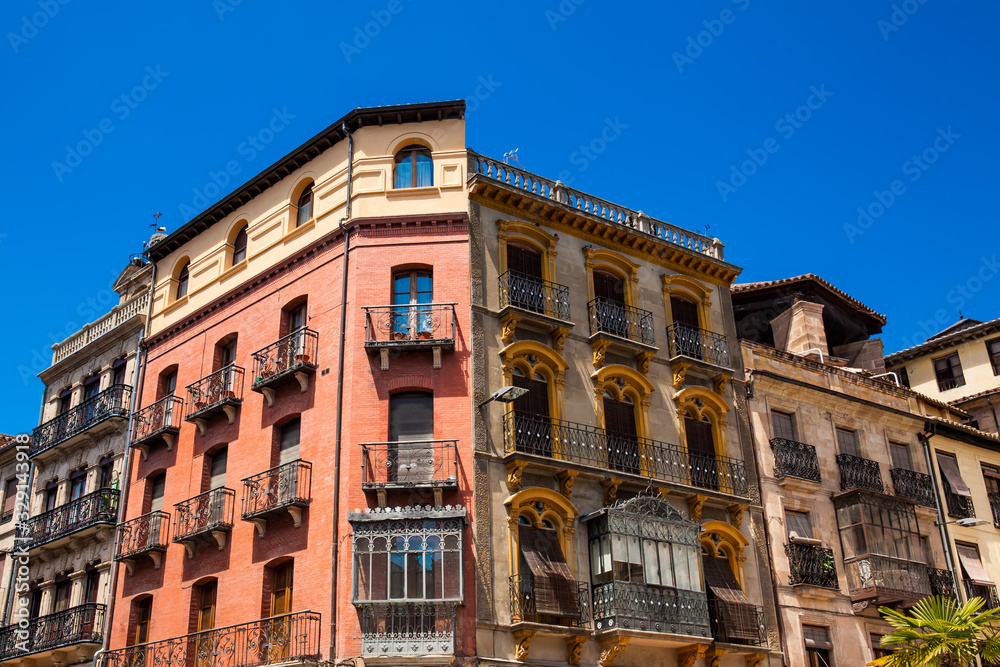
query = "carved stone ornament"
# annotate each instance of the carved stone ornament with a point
(686, 657)
(574, 649)
(679, 370)
(523, 639)
(695, 503)
(515, 469)
(611, 647)
(566, 479)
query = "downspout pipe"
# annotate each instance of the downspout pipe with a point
(925, 439)
(335, 560)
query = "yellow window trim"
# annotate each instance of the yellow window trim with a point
(532, 236)
(691, 289)
(611, 262)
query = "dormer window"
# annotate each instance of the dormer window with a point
(414, 168)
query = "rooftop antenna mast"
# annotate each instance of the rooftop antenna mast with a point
(511, 155)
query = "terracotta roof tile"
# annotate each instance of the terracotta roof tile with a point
(806, 277)
(942, 342)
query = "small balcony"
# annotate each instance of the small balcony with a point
(157, 423)
(215, 394)
(407, 629)
(795, 459)
(145, 535)
(624, 323)
(627, 606)
(111, 405)
(859, 473)
(810, 565)
(524, 605)
(76, 519)
(913, 485)
(205, 517)
(424, 464)
(698, 344)
(959, 507)
(285, 639)
(884, 579)
(995, 508)
(941, 582)
(293, 358)
(987, 593)
(284, 488)
(75, 627)
(737, 624)
(410, 327)
(532, 296)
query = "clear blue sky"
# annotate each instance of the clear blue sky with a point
(549, 77)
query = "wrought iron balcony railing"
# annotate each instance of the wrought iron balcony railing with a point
(419, 325)
(424, 463)
(207, 512)
(143, 534)
(913, 485)
(97, 508)
(630, 606)
(617, 319)
(524, 608)
(795, 459)
(280, 639)
(859, 473)
(407, 629)
(222, 391)
(959, 507)
(568, 442)
(534, 294)
(995, 508)
(6, 516)
(282, 488)
(987, 593)
(113, 402)
(278, 363)
(156, 421)
(688, 341)
(886, 579)
(83, 624)
(737, 625)
(941, 582)
(811, 565)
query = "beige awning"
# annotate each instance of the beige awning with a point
(554, 586)
(949, 468)
(973, 567)
(734, 609)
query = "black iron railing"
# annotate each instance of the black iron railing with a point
(163, 416)
(795, 459)
(6, 516)
(534, 294)
(986, 592)
(430, 324)
(995, 507)
(886, 578)
(913, 485)
(297, 351)
(279, 639)
(409, 464)
(99, 507)
(223, 387)
(209, 511)
(959, 507)
(287, 485)
(632, 606)
(115, 401)
(941, 582)
(859, 473)
(523, 607)
(688, 341)
(592, 446)
(143, 534)
(811, 565)
(407, 629)
(617, 319)
(737, 624)
(83, 624)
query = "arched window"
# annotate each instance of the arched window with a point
(240, 246)
(182, 281)
(305, 205)
(414, 168)
(142, 614)
(621, 433)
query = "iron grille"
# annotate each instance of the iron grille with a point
(163, 416)
(887, 578)
(408, 629)
(99, 507)
(811, 565)
(523, 608)
(859, 473)
(114, 401)
(409, 464)
(142, 534)
(795, 459)
(212, 510)
(995, 508)
(941, 582)
(688, 341)
(534, 294)
(631, 606)
(223, 387)
(913, 485)
(289, 484)
(987, 593)
(617, 319)
(959, 507)
(83, 624)
(297, 351)
(430, 324)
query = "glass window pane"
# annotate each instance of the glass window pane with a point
(404, 173)
(651, 566)
(397, 571)
(666, 564)
(414, 576)
(451, 576)
(682, 568)
(425, 177)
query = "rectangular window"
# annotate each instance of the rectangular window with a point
(64, 588)
(900, 456)
(948, 371)
(9, 499)
(206, 606)
(798, 524)
(51, 495)
(954, 484)
(783, 426)
(993, 349)
(143, 614)
(77, 484)
(847, 442)
(156, 496)
(281, 589)
(288, 442)
(819, 648)
(217, 469)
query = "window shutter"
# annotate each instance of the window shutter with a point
(782, 425)
(218, 470)
(555, 587)
(949, 469)
(288, 446)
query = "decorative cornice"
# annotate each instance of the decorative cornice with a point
(410, 512)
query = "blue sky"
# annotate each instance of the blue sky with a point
(771, 125)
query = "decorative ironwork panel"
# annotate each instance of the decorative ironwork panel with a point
(995, 508)
(987, 593)
(99, 507)
(941, 582)
(223, 387)
(795, 459)
(533, 294)
(887, 578)
(142, 534)
(115, 401)
(859, 473)
(156, 418)
(407, 629)
(811, 565)
(212, 510)
(620, 320)
(289, 484)
(630, 606)
(523, 608)
(688, 341)
(729, 626)
(913, 485)
(409, 464)
(959, 507)
(416, 324)
(83, 624)
(279, 639)
(297, 351)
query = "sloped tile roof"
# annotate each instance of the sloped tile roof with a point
(810, 277)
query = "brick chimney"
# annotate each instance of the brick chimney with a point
(800, 328)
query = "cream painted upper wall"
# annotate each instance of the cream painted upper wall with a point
(976, 368)
(270, 215)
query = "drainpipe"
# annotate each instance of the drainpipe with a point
(925, 439)
(140, 375)
(996, 423)
(340, 400)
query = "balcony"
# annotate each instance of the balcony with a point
(624, 323)
(77, 519)
(113, 403)
(220, 392)
(156, 423)
(64, 629)
(407, 629)
(425, 464)
(628, 606)
(995, 507)
(524, 608)
(859, 473)
(959, 507)
(886, 579)
(410, 327)
(206, 516)
(282, 639)
(915, 486)
(810, 565)
(795, 459)
(987, 593)
(698, 344)
(558, 443)
(284, 488)
(145, 535)
(737, 625)
(534, 297)
(293, 358)
(941, 582)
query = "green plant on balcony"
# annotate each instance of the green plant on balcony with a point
(939, 633)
